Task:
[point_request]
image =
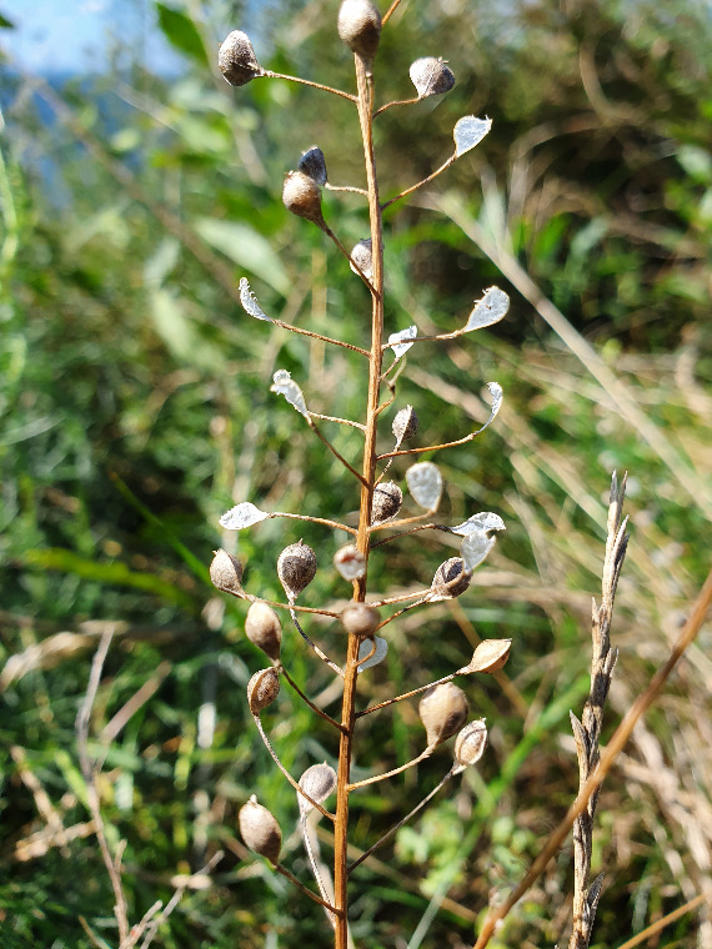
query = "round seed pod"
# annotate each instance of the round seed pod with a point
(318, 781)
(387, 500)
(313, 163)
(350, 562)
(359, 26)
(262, 689)
(296, 566)
(236, 59)
(471, 742)
(431, 76)
(260, 830)
(405, 424)
(362, 256)
(359, 619)
(442, 710)
(451, 579)
(301, 195)
(226, 572)
(263, 628)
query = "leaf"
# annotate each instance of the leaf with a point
(475, 548)
(180, 31)
(246, 247)
(489, 310)
(249, 301)
(378, 656)
(484, 521)
(5, 23)
(468, 132)
(241, 516)
(425, 484)
(395, 341)
(283, 385)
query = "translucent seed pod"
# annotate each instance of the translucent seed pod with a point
(226, 572)
(262, 689)
(264, 630)
(405, 424)
(236, 59)
(260, 830)
(313, 164)
(318, 781)
(387, 500)
(359, 26)
(470, 743)
(359, 619)
(296, 567)
(451, 579)
(362, 256)
(442, 710)
(302, 196)
(350, 562)
(431, 76)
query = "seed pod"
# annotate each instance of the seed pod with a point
(387, 500)
(350, 562)
(359, 26)
(301, 196)
(445, 581)
(260, 830)
(470, 743)
(362, 256)
(236, 59)
(313, 164)
(226, 572)
(442, 710)
(359, 619)
(405, 424)
(262, 689)
(318, 781)
(296, 567)
(431, 76)
(263, 628)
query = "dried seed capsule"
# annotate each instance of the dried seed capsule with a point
(471, 742)
(431, 76)
(359, 619)
(313, 164)
(442, 710)
(296, 567)
(301, 196)
(405, 424)
(318, 781)
(263, 628)
(451, 579)
(387, 500)
(361, 256)
(226, 572)
(262, 689)
(350, 562)
(359, 26)
(236, 59)
(260, 830)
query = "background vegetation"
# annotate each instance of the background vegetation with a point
(135, 409)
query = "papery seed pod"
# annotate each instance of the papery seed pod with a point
(301, 195)
(362, 256)
(359, 26)
(236, 59)
(226, 572)
(260, 830)
(431, 76)
(405, 424)
(359, 619)
(445, 581)
(263, 628)
(313, 163)
(470, 743)
(350, 562)
(318, 781)
(442, 710)
(387, 500)
(262, 689)
(296, 566)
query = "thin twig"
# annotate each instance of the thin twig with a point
(390, 774)
(305, 889)
(313, 646)
(438, 171)
(337, 454)
(269, 74)
(305, 698)
(654, 928)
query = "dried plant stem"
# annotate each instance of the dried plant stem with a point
(305, 698)
(374, 779)
(395, 102)
(654, 928)
(327, 522)
(316, 872)
(268, 74)
(320, 336)
(305, 889)
(337, 454)
(419, 184)
(312, 645)
(409, 695)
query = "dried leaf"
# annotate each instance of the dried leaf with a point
(241, 516)
(425, 484)
(488, 310)
(468, 132)
(397, 341)
(283, 385)
(249, 302)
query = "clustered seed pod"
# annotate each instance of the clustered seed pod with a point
(359, 619)
(296, 567)
(226, 572)
(431, 76)
(262, 689)
(387, 500)
(359, 26)
(263, 628)
(301, 195)
(313, 164)
(442, 710)
(470, 743)
(350, 562)
(361, 256)
(236, 59)
(260, 830)
(445, 581)
(405, 424)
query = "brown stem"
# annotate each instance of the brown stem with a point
(268, 74)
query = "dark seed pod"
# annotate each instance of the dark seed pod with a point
(470, 743)
(260, 830)
(442, 710)
(262, 689)
(296, 567)
(405, 424)
(236, 59)
(263, 628)
(313, 164)
(359, 619)
(226, 572)
(387, 500)
(301, 196)
(361, 256)
(451, 579)
(359, 26)
(431, 76)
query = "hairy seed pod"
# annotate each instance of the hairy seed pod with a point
(359, 619)
(359, 26)
(451, 579)
(431, 76)
(442, 710)
(260, 830)
(405, 424)
(263, 628)
(301, 195)
(226, 572)
(313, 164)
(387, 500)
(362, 256)
(470, 743)
(236, 59)
(350, 562)
(262, 689)
(296, 567)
